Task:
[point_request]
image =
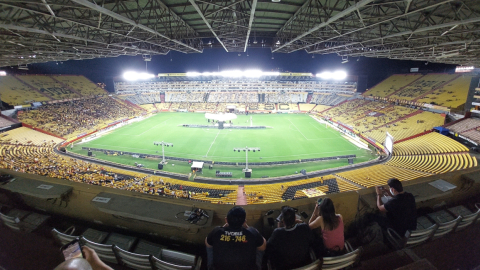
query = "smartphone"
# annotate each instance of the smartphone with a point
(319, 201)
(72, 250)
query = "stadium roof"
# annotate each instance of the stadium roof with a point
(443, 31)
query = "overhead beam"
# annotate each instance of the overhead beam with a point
(374, 24)
(43, 32)
(207, 23)
(89, 26)
(409, 32)
(131, 22)
(328, 22)
(252, 17)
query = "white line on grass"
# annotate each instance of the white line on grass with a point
(303, 134)
(152, 127)
(212, 143)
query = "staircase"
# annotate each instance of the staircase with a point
(309, 98)
(162, 97)
(241, 198)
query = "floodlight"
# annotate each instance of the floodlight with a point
(193, 74)
(252, 73)
(325, 75)
(133, 76)
(231, 73)
(271, 73)
(339, 75)
(130, 76)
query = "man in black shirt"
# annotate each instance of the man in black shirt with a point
(289, 246)
(400, 209)
(235, 245)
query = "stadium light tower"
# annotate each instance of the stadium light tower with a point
(163, 144)
(247, 171)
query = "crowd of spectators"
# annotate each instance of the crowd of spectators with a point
(235, 245)
(185, 96)
(145, 98)
(42, 160)
(233, 97)
(75, 117)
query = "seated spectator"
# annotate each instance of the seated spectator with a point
(401, 210)
(289, 246)
(235, 245)
(331, 225)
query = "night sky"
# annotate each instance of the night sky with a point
(370, 70)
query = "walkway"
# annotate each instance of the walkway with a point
(241, 198)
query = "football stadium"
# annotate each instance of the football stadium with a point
(144, 168)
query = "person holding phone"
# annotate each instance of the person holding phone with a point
(331, 225)
(80, 258)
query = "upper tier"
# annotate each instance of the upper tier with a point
(26, 89)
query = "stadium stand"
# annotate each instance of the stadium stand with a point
(30, 151)
(392, 84)
(79, 116)
(184, 97)
(320, 108)
(343, 108)
(407, 127)
(418, 157)
(464, 125)
(422, 86)
(14, 92)
(280, 192)
(472, 134)
(49, 86)
(450, 95)
(306, 107)
(80, 84)
(149, 108)
(328, 99)
(431, 143)
(163, 106)
(380, 117)
(5, 122)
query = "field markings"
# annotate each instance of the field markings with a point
(303, 134)
(153, 127)
(212, 143)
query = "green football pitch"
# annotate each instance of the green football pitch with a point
(288, 137)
